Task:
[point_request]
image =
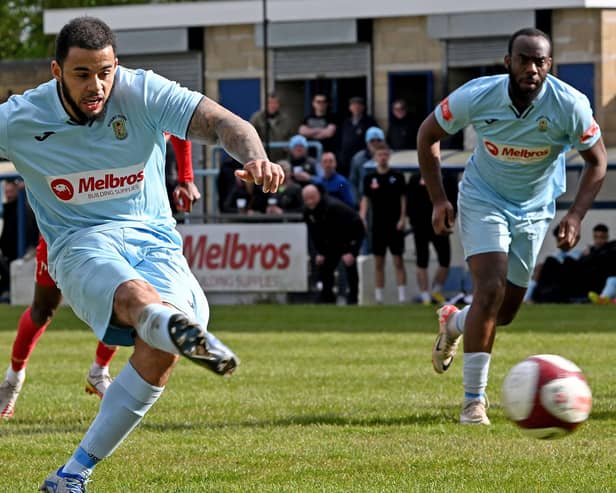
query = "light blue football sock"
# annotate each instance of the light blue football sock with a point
(153, 326)
(528, 296)
(476, 367)
(124, 404)
(459, 319)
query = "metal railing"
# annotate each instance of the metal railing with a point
(216, 157)
(452, 160)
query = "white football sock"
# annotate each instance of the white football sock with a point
(15, 377)
(401, 293)
(378, 295)
(97, 369)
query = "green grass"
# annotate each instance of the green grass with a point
(328, 399)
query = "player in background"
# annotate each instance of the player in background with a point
(525, 121)
(384, 196)
(47, 298)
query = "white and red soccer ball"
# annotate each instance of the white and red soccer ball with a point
(547, 396)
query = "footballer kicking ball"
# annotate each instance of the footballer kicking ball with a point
(547, 396)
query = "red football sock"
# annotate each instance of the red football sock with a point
(104, 354)
(28, 335)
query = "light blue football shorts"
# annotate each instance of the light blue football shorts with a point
(90, 269)
(485, 227)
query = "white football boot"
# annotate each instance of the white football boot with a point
(447, 342)
(9, 392)
(61, 482)
(474, 411)
(97, 382)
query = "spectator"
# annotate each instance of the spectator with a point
(303, 167)
(225, 181)
(353, 133)
(384, 194)
(241, 198)
(419, 211)
(336, 186)
(273, 125)
(320, 124)
(574, 276)
(336, 232)
(333, 182)
(9, 235)
(600, 236)
(374, 137)
(402, 131)
(10, 227)
(556, 262)
(288, 198)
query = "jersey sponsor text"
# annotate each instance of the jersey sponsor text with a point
(517, 154)
(97, 185)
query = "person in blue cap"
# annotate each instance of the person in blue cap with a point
(303, 167)
(374, 137)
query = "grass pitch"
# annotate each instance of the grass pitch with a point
(327, 399)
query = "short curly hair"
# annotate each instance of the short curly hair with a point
(85, 32)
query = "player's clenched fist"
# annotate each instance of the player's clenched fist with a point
(262, 172)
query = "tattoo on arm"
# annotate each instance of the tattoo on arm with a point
(213, 124)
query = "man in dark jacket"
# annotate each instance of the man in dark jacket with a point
(353, 133)
(336, 231)
(402, 131)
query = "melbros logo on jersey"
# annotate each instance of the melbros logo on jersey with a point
(97, 185)
(517, 154)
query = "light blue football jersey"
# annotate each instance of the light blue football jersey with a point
(106, 174)
(519, 161)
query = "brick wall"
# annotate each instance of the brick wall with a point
(18, 76)
(401, 44)
(230, 53)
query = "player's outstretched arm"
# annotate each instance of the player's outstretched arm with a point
(212, 123)
(590, 183)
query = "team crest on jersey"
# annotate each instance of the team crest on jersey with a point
(118, 124)
(543, 122)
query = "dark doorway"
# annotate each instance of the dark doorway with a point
(339, 92)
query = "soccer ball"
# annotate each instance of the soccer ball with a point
(547, 396)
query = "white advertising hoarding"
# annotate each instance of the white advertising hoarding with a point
(247, 257)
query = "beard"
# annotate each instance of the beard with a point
(517, 92)
(80, 116)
